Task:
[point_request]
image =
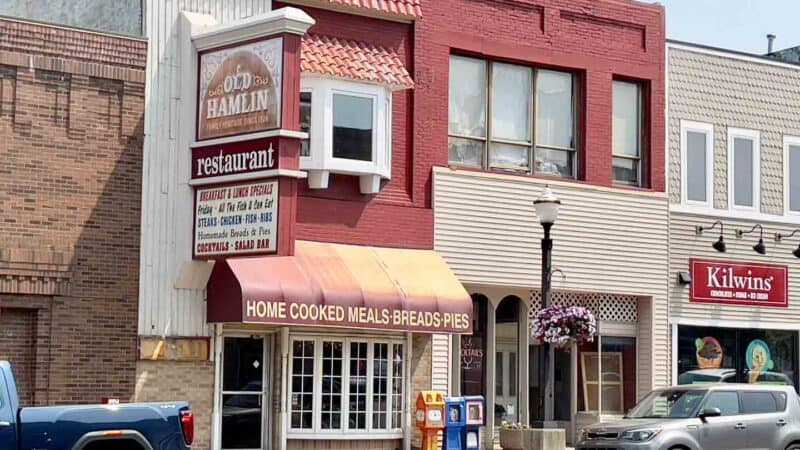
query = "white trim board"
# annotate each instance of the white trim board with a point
(721, 323)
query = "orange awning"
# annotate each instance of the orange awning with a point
(342, 286)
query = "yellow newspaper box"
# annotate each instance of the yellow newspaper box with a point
(430, 417)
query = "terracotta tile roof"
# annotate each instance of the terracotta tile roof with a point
(334, 57)
(407, 8)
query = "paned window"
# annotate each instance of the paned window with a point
(302, 397)
(743, 168)
(512, 117)
(347, 386)
(627, 136)
(697, 168)
(791, 174)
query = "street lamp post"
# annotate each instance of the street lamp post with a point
(547, 210)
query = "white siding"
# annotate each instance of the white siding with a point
(687, 244)
(440, 363)
(605, 240)
(167, 200)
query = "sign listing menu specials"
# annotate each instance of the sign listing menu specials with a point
(236, 220)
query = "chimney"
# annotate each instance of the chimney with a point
(770, 40)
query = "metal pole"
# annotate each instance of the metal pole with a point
(545, 381)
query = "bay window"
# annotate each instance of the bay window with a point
(791, 164)
(349, 127)
(627, 136)
(743, 169)
(346, 385)
(511, 117)
(697, 163)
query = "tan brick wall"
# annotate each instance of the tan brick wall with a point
(184, 381)
(71, 115)
(421, 351)
(17, 333)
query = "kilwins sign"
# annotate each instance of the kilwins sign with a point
(739, 283)
(239, 89)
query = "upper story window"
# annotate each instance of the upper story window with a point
(627, 135)
(743, 169)
(791, 164)
(349, 126)
(697, 163)
(507, 116)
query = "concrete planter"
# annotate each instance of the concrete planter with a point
(533, 439)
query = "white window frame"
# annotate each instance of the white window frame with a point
(321, 162)
(640, 161)
(755, 136)
(788, 141)
(316, 432)
(708, 130)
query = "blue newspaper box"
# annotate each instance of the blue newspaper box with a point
(455, 421)
(475, 408)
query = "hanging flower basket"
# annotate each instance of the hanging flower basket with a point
(563, 325)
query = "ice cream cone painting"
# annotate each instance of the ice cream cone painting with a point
(759, 359)
(709, 353)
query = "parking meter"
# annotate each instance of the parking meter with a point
(455, 421)
(475, 407)
(430, 417)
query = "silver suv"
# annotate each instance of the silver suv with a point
(704, 417)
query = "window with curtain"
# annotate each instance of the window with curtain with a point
(626, 141)
(511, 117)
(347, 385)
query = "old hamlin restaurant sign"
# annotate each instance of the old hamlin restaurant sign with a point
(234, 158)
(739, 283)
(236, 220)
(240, 89)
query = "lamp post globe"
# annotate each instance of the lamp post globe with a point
(547, 207)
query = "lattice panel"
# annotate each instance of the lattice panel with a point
(606, 307)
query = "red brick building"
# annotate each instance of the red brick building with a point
(71, 114)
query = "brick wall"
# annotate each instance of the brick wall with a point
(421, 349)
(158, 381)
(17, 334)
(71, 108)
(598, 39)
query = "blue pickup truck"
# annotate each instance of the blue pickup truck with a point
(134, 426)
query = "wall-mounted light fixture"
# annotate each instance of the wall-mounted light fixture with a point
(719, 245)
(780, 236)
(684, 278)
(759, 248)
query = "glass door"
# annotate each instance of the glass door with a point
(506, 384)
(245, 369)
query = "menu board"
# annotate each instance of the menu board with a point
(238, 219)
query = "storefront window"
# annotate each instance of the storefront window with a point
(473, 351)
(608, 377)
(712, 355)
(242, 392)
(368, 373)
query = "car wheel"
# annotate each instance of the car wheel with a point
(793, 447)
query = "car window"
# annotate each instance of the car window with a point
(780, 400)
(758, 403)
(726, 401)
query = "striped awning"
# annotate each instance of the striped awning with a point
(337, 285)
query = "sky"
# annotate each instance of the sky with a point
(734, 24)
